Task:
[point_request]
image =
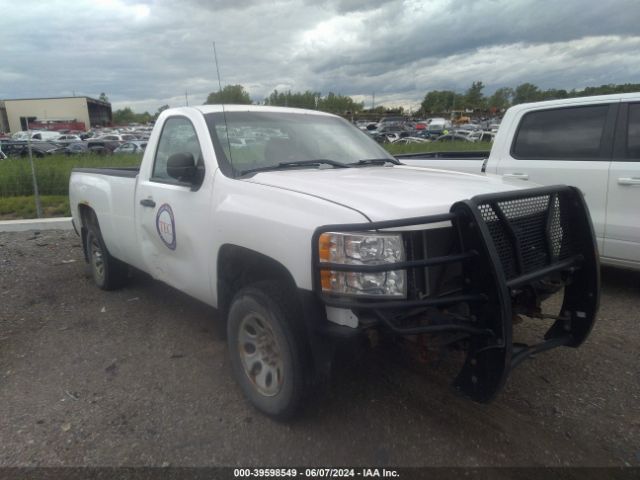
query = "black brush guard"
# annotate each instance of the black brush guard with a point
(509, 241)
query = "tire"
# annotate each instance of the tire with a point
(267, 349)
(108, 273)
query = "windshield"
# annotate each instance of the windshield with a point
(258, 140)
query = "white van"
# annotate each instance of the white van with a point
(44, 135)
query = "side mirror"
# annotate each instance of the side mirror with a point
(182, 167)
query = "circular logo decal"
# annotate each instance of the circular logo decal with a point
(166, 226)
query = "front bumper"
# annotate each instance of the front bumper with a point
(509, 242)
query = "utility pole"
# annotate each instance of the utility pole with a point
(186, 98)
(373, 101)
(453, 107)
(36, 194)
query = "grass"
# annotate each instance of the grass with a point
(52, 172)
(12, 208)
(437, 147)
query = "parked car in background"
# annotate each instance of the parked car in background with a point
(133, 147)
(422, 134)
(431, 120)
(362, 124)
(468, 127)
(391, 119)
(67, 138)
(44, 136)
(453, 137)
(113, 137)
(87, 135)
(12, 148)
(437, 127)
(19, 136)
(76, 148)
(390, 136)
(106, 144)
(409, 140)
(481, 136)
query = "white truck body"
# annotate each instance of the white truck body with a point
(610, 179)
(306, 233)
(282, 208)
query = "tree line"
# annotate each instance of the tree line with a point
(125, 116)
(434, 102)
(441, 101)
(332, 103)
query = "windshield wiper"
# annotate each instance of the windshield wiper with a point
(294, 164)
(376, 161)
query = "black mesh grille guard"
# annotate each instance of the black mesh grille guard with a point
(508, 241)
(524, 236)
(531, 233)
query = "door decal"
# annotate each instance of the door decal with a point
(166, 226)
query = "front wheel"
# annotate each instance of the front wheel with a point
(267, 349)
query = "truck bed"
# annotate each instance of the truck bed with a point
(110, 192)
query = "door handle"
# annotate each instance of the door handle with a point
(628, 181)
(147, 202)
(521, 176)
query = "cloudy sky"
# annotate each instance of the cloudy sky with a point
(145, 53)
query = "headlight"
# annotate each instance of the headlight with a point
(362, 249)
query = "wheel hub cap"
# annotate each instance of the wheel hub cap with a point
(260, 355)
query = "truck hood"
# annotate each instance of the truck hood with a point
(386, 193)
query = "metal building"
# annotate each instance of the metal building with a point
(52, 113)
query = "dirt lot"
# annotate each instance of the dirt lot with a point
(141, 377)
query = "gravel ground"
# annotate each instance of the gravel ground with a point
(140, 376)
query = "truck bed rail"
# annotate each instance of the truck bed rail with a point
(129, 172)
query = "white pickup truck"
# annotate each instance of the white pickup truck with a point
(305, 233)
(592, 143)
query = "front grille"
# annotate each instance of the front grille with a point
(435, 280)
(529, 233)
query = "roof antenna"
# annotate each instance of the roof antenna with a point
(224, 115)
(215, 56)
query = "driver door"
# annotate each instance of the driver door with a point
(173, 218)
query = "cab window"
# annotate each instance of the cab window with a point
(573, 133)
(178, 136)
